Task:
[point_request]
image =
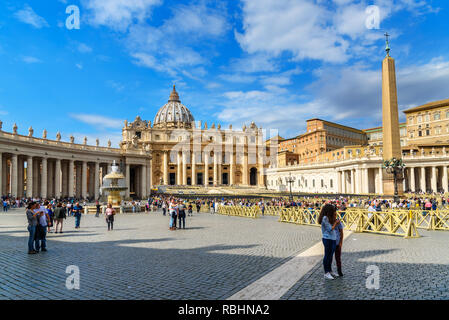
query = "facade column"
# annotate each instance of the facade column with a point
(14, 175)
(444, 182)
(412, 180)
(245, 169)
(193, 168)
(165, 168)
(433, 180)
(150, 175)
(422, 178)
(97, 181)
(184, 168)
(58, 178)
(215, 169)
(179, 169)
(231, 169)
(127, 180)
(261, 171)
(84, 180)
(44, 176)
(206, 169)
(143, 181)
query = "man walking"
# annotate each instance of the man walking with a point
(77, 210)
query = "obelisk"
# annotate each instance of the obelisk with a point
(390, 121)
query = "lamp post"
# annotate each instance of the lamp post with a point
(396, 167)
(290, 180)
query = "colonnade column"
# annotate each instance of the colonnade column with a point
(411, 179)
(365, 182)
(44, 178)
(444, 182)
(1, 174)
(71, 178)
(29, 180)
(338, 181)
(14, 168)
(58, 178)
(433, 179)
(97, 181)
(193, 169)
(84, 180)
(422, 179)
(352, 181)
(381, 183)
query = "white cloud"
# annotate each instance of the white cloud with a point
(79, 66)
(117, 86)
(315, 29)
(296, 26)
(350, 95)
(30, 59)
(84, 48)
(27, 15)
(98, 120)
(176, 46)
(119, 14)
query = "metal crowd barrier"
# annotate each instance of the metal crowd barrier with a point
(240, 211)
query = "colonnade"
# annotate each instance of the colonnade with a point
(428, 179)
(360, 180)
(49, 177)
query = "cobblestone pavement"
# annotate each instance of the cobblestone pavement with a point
(408, 269)
(213, 258)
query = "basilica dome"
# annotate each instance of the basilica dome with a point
(173, 113)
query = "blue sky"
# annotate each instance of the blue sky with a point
(275, 62)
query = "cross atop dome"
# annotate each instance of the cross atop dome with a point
(174, 95)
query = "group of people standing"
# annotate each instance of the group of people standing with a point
(177, 211)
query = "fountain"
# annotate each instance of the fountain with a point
(114, 186)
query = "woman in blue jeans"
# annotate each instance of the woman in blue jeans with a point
(328, 221)
(32, 225)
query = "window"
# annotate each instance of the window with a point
(419, 119)
(427, 132)
(419, 133)
(139, 135)
(427, 117)
(436, 116)
(331, 183)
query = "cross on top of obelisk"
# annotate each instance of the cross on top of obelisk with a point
(387, 48)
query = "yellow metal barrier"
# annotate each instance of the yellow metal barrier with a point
(272, 210)
(240, 211)
(390, 223)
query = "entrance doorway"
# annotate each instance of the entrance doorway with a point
(224, 178)
(253, 177)
(172, 178)
(199, 178)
